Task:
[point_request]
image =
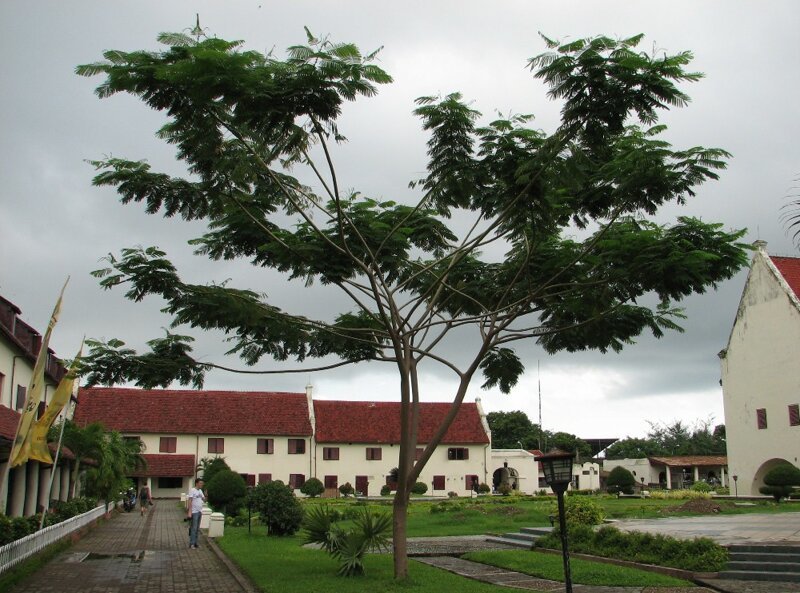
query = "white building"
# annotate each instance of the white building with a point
(760, 374)
(674, 472)
(286, 436)
(26, 487)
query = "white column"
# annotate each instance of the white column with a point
(722, 479)
(4, 487)
(55, 493)
(44, 485)
(696, 474)
(31, 488)
(669, 477)
(18, 491)
(66, 468)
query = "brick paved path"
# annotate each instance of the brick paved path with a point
(134, 554)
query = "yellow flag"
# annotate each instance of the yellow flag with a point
(36, 444)
(19, 453)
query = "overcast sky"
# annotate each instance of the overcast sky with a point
(54, 224)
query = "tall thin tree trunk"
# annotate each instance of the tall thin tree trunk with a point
(399, 540)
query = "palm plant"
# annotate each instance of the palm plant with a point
(368, 533)
(118, 457)
(85, 443)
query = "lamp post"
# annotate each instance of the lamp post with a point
(557, 466)
(736, 486)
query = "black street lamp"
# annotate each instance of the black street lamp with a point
(735, 486)
(557, 466)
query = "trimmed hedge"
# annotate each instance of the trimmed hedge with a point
(698, 555)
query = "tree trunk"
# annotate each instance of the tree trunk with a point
(399, 547)
(73, 479)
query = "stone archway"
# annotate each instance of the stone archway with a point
(758, 477)
(505, 474)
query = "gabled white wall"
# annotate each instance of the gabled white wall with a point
(760, 370)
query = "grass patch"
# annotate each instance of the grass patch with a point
(550, 566)
(281, 565)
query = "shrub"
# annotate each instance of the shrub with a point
(20, 527)
(419, 488)
(780, 481)
(452, 494)
(700, 554)
(679, 495)
(346, 489)
(722, 491)
(6, 532)
(701, 487)
(212, 466)
(278, 508)
(226, 492)
(504, 489)
(484, 488)
(312, 487)
(582, 511)
(620, 480)
(386, 490)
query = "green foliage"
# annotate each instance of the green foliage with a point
(699, 555)
(210, 466)
(701, 487)
(512, 429)
(116, 459)
(368, 532)
(419, 488)
(346, 489)
(278, 508)
(582, 511)
(312, 487)
(484, 488)
(780, 481)
(504, 489)
(226, 492)
(674, 439)
(386, 490)
(620, 480)
(242, 123)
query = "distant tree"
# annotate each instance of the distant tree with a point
(312, 487)
(117, 458)
(212, 466)
(227, 492)
(572, 444)
(620, 480)
(278, 508)
(509, 429)
(633, 448)
(244, 124)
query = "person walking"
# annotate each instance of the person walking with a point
(144, 499)
(196, 498)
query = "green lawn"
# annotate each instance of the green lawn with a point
(280, 565)
(550, 566)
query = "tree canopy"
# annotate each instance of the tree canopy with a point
(511, 430)
(673, 439)
(559, 244)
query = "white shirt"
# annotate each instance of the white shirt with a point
(197, 498)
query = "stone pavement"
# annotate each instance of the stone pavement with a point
(134, 554)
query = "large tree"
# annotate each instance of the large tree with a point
(513, 233)
(672, 439)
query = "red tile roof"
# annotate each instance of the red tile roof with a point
(8, 422)
(379, 422)
(789, 267)
(690, 460)
(194, 412)
(166, 466)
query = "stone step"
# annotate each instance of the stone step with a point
(537, 531)
(525, 537)
(764, 557)
(770, 566)
(517, 543)
(759, 575)
(763, 549)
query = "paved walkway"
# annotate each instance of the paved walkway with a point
(134, 554)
